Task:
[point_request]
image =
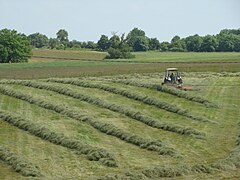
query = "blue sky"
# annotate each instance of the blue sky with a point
(87, 20)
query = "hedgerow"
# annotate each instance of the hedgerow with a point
(106, 128)
(172, 91)
(113, 107)
(93, 153)
(19, 164)
(136, 96)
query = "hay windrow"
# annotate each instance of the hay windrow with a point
(92, 153)
(113, 107)
(232, 162)
(106, 128)
(172, 91)
(19, 164)
(135, 96)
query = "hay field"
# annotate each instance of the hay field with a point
(120, 127)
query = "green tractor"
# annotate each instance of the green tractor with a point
(172, 77)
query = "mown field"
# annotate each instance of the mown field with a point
(91, 119)
(120, 127)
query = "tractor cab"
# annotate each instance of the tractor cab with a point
(172, 76)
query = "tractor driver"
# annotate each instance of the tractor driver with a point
(172, 78)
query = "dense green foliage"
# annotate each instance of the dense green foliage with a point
(225, 41)
(228, 40)
(14, 47)
(38, 40)
(118, 48)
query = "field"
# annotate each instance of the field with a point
(70, 63)
(114, 121)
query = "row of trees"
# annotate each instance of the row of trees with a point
(16, 47)
(61, 41)
(227, 40)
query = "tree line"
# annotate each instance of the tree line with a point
(121, 46)
(16, 47)
(228, 40)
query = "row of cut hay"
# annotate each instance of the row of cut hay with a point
(136, 96)
(169, 172)
(93, 153)
(172, 91)
(113, 107)
(106, 128)
(19, 164)
(158, 172)
(182, 94)
(232, 162)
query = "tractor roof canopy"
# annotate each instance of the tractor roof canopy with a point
(171, 69)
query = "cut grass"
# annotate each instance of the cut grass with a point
(169, 90)
(135, 96)
(19, 164)
(93, 153)
(212, 158)
(106, 128)
(113, 107)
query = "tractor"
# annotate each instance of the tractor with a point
(172, 77)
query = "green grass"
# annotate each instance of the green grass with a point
(200, 158)
(106, 121)
(92, 63)
(187, 56)
(43, 54)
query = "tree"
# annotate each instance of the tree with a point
(209, 44)
(91, 45)
(119, 48)
(62, 35)
(38, 40)
(230, 31)
(154, 44)
(114, 41)
(74, 44)
(141, 44)
(177, 44)
(137, 39)
(175, 39)
(193, 43)
(103, 43)
(14, 47)
(164, 46)
(53, 43)
(228, 42)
